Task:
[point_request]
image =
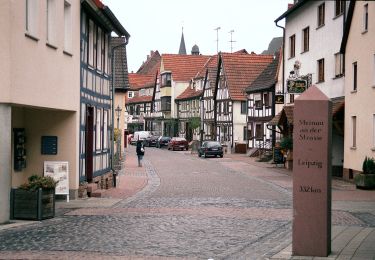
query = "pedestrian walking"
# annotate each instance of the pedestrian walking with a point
(140, 152)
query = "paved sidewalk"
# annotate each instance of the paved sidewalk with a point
(348, 242)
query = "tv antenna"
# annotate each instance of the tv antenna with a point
(217, 38)
(231, 40)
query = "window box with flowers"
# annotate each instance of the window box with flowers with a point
(34, 200)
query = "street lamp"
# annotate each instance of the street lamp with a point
(118, 114)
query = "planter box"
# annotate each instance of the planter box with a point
(32, 205)
(365, 181)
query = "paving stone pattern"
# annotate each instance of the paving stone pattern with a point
(192, 208)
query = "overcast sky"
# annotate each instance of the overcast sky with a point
(157, 25)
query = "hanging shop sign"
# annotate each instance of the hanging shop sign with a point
(296, 86)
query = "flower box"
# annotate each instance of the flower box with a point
(365, 181)
(32, 205)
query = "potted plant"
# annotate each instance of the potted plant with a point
(34, 200)
(366, 179)
(286, 145)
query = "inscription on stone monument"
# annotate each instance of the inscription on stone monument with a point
(311, 174)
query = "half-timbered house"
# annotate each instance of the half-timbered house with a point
(139, 104)
(261, 107)
(188, 110)
(207, 100)
(96, 110)
(236, 71)
(176, 72)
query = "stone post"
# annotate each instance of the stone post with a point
(5, 161)
(312, 174)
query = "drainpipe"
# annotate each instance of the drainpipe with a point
(283, 78)
(113, 107)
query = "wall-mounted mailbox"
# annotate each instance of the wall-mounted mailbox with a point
(49, 145)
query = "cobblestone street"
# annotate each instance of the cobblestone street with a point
(179, 206)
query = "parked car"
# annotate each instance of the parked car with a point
(178, 143)
(162, 141)
(151, 140)
(140, 135)
(210, 148)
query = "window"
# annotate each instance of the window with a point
(291, 98)
(165, 103)
(355, 76)
(51, 21)
(166, 80)
(266, 98)
(250, 132)
(244, 107)
(354, 131)
(373, 131)
(321, 14)
(244, 133)
(105, 129)
(67, 27)
(292, 46)
(130, 94)
(98, 129)
(99, 49)
(259, 131)
(365, 17)
(138, 110)
(321, 70)
(339, 7)
(305, 39)
(339, 65)
(107, 61)
(226, 108)
(91, 43)
(31, 13)
(258, 101)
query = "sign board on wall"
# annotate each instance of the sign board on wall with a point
(296, 86)
(59, 171)
(279, 99)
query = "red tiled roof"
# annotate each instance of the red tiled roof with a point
(211, 64)
(241, 70)
(189, 93)
(183, 67)
(140, 99)
(151, 65)
(138, 81)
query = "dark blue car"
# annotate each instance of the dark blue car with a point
(210, 148)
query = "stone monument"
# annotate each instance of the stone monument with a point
(312, 174)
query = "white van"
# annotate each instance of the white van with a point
(140, 135)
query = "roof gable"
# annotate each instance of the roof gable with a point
(241, 70)
(267, 78)
(183, 67)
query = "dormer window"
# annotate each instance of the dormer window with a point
(166, 80)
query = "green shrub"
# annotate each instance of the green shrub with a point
(368, 166)
(35, 182)
(286, 143)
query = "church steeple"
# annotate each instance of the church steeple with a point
(182, 49)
